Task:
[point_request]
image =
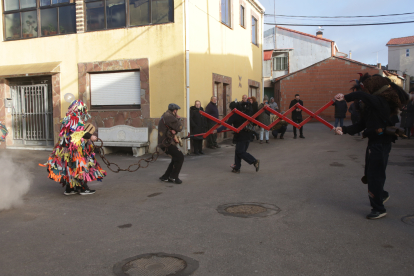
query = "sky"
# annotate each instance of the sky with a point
(364, 41)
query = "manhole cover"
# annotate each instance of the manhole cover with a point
(248, 209)
(408, 220)
(156, 264)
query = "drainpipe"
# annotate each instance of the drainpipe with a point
(187, 71)
(263, 55)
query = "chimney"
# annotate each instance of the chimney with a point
(319, 34)
(350, 54)
(379, 65)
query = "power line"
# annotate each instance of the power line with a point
(344, 25)
(345, 16)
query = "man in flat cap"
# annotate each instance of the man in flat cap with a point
(169, 125)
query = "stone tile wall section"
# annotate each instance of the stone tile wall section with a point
(111, 117)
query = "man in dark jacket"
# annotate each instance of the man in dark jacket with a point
(169, 125)
(197, 125)
(211, 109)
(381, 98)
(340, 112)
(242, 139)
(297, 115)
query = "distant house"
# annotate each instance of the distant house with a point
(320, 82)
(287, 51)
(401, 57)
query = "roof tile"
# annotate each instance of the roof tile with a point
(401, 40)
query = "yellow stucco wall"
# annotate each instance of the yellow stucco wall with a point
(163, 45)
(216, 48)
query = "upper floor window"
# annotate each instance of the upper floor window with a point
(407, 52)
(110, 14)
(226, 12)
(241, 16)
(254, 30)
(33, 18)
(280, 63)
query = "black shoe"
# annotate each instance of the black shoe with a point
(196, 153)
(235, 171)
(385, 199)
(294, 137)
(211, 147)
(267, 141)
(281, 137)
(301, 136)
(165, 179)
(217, 146)
(176, 181)
(201, 152)
(87, 192)
(376, 215)
(257, 165)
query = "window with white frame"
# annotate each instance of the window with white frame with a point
(281, 63)
(226, 12)
(116, 90)
(407, 52)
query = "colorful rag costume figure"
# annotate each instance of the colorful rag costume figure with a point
(72, 162)
(3, 132)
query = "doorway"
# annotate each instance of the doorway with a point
(32, 113)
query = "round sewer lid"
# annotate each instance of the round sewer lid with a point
(156, 264)
(408, 220)
(248, 209)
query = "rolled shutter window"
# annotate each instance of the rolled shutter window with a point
(116, 89)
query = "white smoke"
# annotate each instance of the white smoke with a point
(15, 180)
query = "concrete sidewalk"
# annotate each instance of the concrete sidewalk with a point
(320, 230)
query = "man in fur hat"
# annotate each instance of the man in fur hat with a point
(169, 125)
(381, 98)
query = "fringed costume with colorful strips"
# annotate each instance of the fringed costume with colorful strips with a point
(72, 162)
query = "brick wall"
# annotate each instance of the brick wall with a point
(319, 83)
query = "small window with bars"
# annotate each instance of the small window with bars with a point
(280, 63)
(407, 52)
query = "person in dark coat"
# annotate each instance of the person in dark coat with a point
(255, 108)
(211, 109)
(242, 139)
(297, 115)
(407, 117)
(354, 109)
(340, 112)
(198, 125)
(170, 124)
(381, 98)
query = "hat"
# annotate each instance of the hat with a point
(173, 106)
(265, 98)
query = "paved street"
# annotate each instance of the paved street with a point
(320, 230)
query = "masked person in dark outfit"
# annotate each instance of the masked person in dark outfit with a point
(381, 99)
(297, 115)
(169, 125)
(242, 139)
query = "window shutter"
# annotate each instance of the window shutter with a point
(116, 88)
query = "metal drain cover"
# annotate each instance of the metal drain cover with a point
(156, 264)
(248, 209)
(408, 220)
